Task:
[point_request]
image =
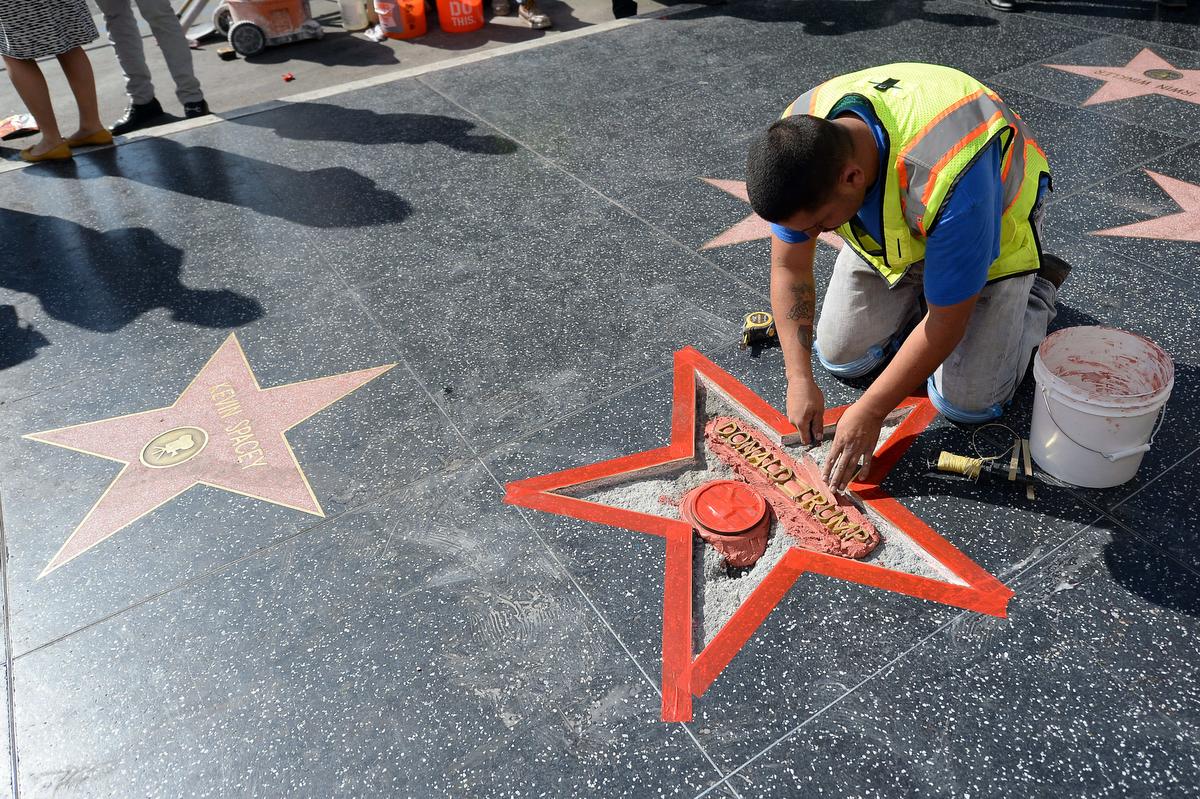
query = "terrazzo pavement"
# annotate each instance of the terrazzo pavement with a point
(523, 238)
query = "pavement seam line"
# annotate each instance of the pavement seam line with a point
(1154, 479)
(692, 253)
(604, 621)
(1029, 567)
(8, 661)
(545, 544)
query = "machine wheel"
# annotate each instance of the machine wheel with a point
(222, 19)
(247, 39)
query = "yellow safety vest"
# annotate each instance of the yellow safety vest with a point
(938, 120)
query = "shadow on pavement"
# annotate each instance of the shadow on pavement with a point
(822, 18)
(18, 342)
(322, 122)
(333, 50)
(334, 197)
(100, 281)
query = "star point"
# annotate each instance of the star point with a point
(224, 431)
(686, 673)
(1181, 226)
(1147, 73)
(753, 227)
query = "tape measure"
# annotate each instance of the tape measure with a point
(758, 330)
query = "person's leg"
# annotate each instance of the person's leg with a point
(127, 41)
(30, 83)
(624, 8)
(982, 374)
(862, 321)
(78, 69)
(174, 45)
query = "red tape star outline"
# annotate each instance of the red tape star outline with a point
(684, 673)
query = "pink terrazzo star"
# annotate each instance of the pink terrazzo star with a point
(224, 431)
(1183, 226)
(754, 226)
(1147, 73)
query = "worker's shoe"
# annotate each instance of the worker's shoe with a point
(529, 12)
(196, 109)
(138, 116)
(1054, 269)
(501, 8)
(1003, 5)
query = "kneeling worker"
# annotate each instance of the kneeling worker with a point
(937, 188)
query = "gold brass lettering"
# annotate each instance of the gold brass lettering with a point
(784, 475)
(241, 433)
(809, 499)
(791, 490)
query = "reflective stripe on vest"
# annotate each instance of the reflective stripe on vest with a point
(936, 130)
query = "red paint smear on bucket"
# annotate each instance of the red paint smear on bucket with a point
(1119, 376)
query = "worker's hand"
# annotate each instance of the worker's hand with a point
(854, 440)
(806, 409)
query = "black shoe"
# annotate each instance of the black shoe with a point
(1054, 269)
(624, 8)
(138, 116)
(1003, 5)
(196, 109)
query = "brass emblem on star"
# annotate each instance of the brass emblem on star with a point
(1163, 74)
(174, 447)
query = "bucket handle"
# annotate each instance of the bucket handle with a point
(1112, 457)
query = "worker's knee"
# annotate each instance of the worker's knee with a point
(959, 403)
(849, 361)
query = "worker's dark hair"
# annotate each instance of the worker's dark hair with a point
(794, 166)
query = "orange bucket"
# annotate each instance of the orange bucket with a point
(460, 16)
(401, 19)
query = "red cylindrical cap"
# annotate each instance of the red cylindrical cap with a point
(727, 506)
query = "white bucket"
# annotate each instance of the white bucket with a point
(1098, 393)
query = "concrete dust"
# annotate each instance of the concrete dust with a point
(717, 590)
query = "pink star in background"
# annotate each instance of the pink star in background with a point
(1147, 73)
(1183, 226)
(754, 226)
(224, 431)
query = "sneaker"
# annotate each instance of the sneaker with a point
(196, 109)
(1054, 269)
(529, 12)
(138, 116)
(501, 8)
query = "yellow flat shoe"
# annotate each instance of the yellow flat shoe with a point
(97, 139)
(60, 153)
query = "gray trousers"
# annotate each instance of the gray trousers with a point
(863, 321)
(127, 40)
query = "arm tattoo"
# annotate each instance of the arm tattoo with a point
(803, 303)
(802, 311)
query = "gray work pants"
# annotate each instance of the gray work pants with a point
(863, 321)
(127, 40)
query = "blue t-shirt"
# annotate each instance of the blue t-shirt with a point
(966, 240)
